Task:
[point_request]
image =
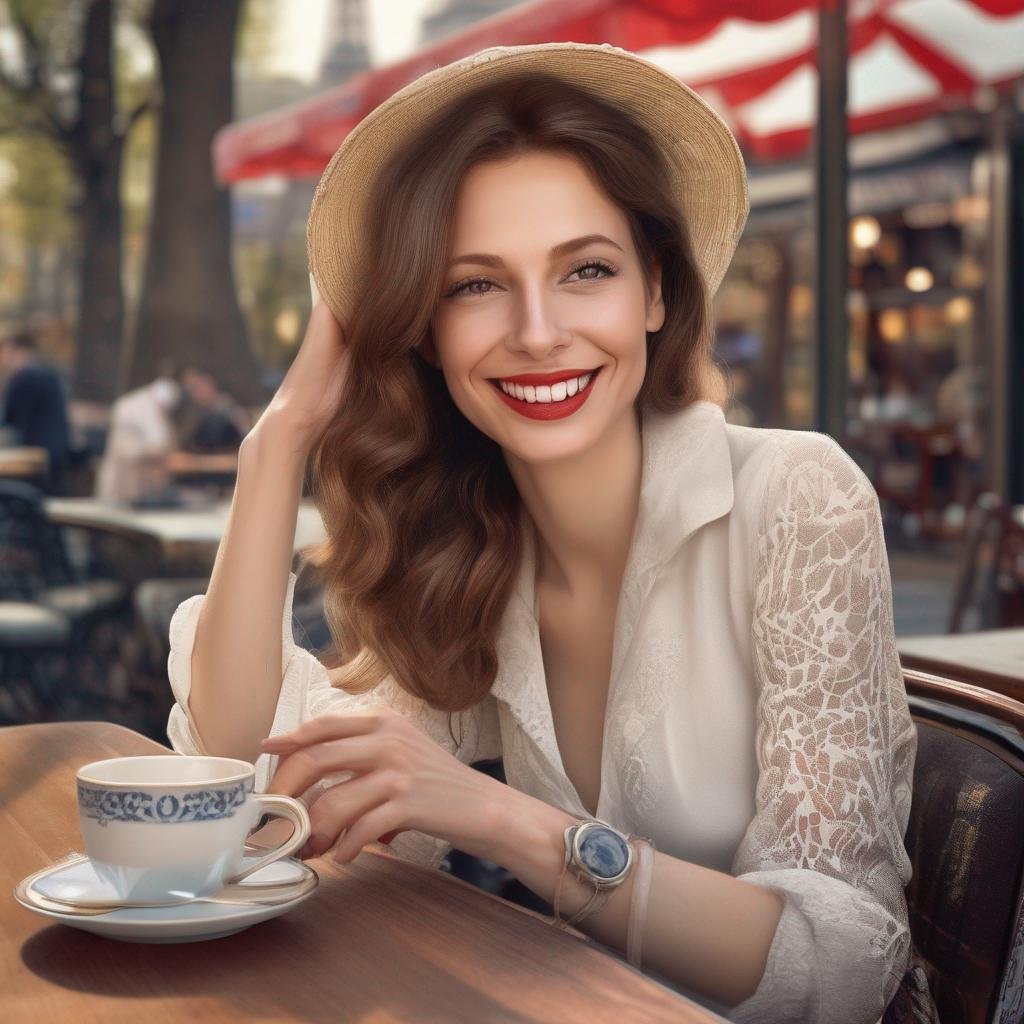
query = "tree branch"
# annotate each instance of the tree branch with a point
(147, 106)
(30, 47)
(44, 119)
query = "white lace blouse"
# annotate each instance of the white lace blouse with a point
(756, 721)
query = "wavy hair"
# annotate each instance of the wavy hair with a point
(422, 514)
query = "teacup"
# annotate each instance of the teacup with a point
(171, 826)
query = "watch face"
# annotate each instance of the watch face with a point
(604, 852)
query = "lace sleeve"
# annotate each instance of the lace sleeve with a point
(306, 692)
(835, 746)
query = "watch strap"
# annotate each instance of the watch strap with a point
(601, 894)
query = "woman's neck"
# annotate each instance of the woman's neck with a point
(584, 510)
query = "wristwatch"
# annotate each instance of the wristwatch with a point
(599, 854)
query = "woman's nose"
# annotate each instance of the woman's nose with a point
(537, 326)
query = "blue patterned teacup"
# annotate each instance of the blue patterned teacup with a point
(168, 826)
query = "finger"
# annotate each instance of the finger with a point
(299, 769)
(339, 806)
(328, 727)
(381, 819)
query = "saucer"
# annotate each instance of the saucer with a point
(183, 922)
(76, 880)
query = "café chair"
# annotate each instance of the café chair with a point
(43, 597)
(990, 576)
(965, 840)
(31, 540)
(35, 653)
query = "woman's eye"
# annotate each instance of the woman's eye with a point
(608, 270)
(468, 287)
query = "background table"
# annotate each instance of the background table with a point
(993, 658)
(187, 538)
(24, 463)
(175, 525)
(382, 939)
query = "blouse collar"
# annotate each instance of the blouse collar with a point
(685, 482)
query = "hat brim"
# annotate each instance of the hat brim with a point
(709, 174)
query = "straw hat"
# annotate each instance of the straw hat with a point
(710, 178)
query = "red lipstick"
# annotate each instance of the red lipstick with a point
(554, 377)
(550, 410)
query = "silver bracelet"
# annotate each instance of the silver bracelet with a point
(638, 901)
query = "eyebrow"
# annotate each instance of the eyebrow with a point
(561, 249)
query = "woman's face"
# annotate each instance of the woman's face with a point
(521, 295)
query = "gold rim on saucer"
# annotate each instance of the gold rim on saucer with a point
(236, 894)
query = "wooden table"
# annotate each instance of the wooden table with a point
(993, 658)
(187, 537)
(215, 471)
(197, 463)
(381, 940)
(24, 463)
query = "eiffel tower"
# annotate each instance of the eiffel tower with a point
(345, 50)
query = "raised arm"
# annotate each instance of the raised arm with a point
(237, 657)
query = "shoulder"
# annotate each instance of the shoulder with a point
(25, 378)
(776, 469)
(40, 372)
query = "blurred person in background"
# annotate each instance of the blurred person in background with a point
(140, 438)
(209, 420)
(34, 405)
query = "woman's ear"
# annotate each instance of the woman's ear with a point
(655, 302)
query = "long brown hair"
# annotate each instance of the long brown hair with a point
(420, 508)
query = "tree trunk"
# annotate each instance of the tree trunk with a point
(95, 151)
(188, 311)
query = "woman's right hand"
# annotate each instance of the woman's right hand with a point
(306, 399)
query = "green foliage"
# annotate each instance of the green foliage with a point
(39, 107)
(38, 182)
(256, 28)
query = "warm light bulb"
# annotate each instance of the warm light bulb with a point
(864, 232)
(892, 325)
(919, 279)
(959, 310)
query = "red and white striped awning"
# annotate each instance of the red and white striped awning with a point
(753, 60)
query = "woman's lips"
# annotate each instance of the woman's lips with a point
(547, 379)
(549, 410)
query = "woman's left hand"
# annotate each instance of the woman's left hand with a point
(402, 780)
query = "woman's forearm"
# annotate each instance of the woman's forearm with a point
(704, 929)
(236, 660)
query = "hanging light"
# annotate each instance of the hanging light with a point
(919, 279)
(892, 325)
(864, 232)
(959, 310)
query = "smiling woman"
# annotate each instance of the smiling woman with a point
(668, 627)
(503, 179)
